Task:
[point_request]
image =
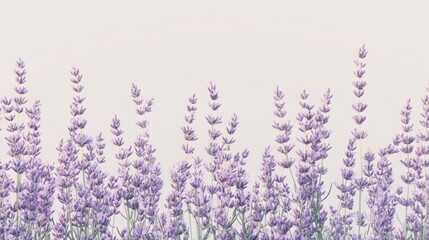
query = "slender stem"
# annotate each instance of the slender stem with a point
(18, 182)
(18, 189)
(408, 196)
(361, 176)
(127, 211)
(113, 223)
(190, 220)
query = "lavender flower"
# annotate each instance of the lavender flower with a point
(199, 198)
(309, 216)
(406, 140)
(420, 164)
(176, 224)
(242, 196)
(360, 183)
(285, 129)
(213, 120)
(188, 131)
(146, 181)
(87, 201)
(270, 194)
(75, 206)
(341, 222)
(16, 142)
(382, 200)
(125, 192)
(38, 197)
(180, 177)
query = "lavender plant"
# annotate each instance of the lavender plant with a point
(406, 139)
(358, 133)
(179, 177)
(210, 196)
(29, 214)
(83, 190)
(420, 215)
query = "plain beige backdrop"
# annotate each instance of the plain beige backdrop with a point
(172, 49)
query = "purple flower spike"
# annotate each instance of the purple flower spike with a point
(342, 222)
(309, 215)
(382, 200)
(22, 151)
(143, 106)
(405, 141)
(176, 226)
(419, 170)
(179, 177)
(358, 133)
(232, 127)
(270, 195)
(284, 128)
(212, 119)
(198, 199)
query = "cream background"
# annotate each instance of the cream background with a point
(174, 49)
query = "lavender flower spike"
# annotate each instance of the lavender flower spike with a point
(358, 133)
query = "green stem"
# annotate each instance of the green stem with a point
(408, 196)
(361, 176)
(127, 211)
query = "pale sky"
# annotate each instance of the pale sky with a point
(172, 49)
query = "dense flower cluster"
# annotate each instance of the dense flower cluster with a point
(212, 196)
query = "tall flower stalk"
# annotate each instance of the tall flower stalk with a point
(17, 145)
(309, 215)
(421, 163)
(179, 178)
(284, 224)
(358, 133)
(382, 200)
(406, 140)
(82, 185)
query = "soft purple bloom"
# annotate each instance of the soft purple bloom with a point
(179, 177)
(382, 200)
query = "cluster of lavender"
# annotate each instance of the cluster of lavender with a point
(211, 197)
(27, 184)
